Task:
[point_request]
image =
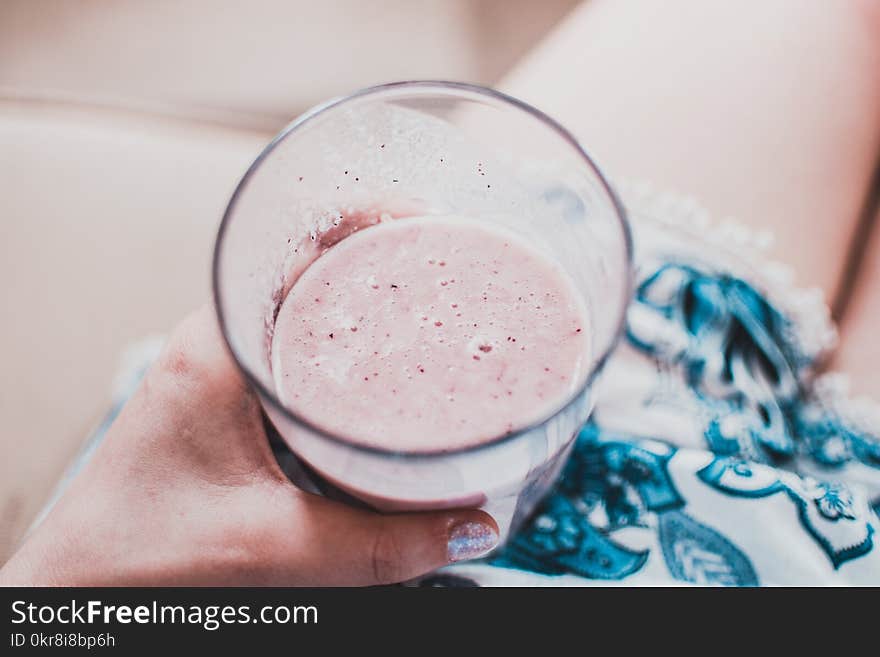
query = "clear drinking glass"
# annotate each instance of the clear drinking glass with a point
(423, 148)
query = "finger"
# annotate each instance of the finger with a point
(196, 390)
(351, 547)
(197, 346)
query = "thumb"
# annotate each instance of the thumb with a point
(354, 547)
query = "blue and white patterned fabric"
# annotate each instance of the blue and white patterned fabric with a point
(714, 456)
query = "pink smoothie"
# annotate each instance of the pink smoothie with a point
(429, 333)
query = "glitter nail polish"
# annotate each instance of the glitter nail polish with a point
(470, 540)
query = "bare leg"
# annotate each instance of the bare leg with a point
(859, 353)
(767, 111)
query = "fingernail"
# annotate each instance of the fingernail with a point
(470, 540)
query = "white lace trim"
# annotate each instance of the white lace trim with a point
(744, 248)
(832, 392)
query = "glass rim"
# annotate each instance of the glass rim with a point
(441, 86)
